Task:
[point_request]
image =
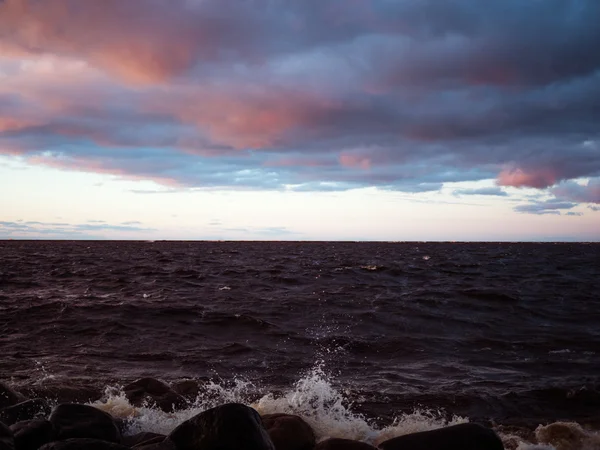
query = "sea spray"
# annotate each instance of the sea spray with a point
(313, 397)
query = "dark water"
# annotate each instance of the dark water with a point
(497, 331)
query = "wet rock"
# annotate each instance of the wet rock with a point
(163, 445)
(343, 444)
(83, 444)
(61, 393)
(187, 388)
(567, 436)
(231, 426)
(27, 410)
(289, 432)
(32, 434)
(9, 396)
(466, 436)
(142, 439)
(155, 393)
(83, 421)
(7, 441)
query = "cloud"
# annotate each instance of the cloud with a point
(331, 95)
(493, 191)
(28, 229)
(584, 193)
(544, 207)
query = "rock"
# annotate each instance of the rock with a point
(83, 444)
(142, 439)
(343, 444)
(155, 393)
(27, 410)
(466, 436)
(32, 434)
(289, 432)
(7, 441)
(187, 388)
(232, 426)
(83, 421)
(163, 445)
(8, 396)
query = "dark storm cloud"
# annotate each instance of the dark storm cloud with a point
(312, 95)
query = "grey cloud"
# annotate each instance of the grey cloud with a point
(493, 191)
(544, 207)
(570, 190)
(319, 96)
(25, 229)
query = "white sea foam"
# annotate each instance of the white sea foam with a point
(326, 409)
(313, 397)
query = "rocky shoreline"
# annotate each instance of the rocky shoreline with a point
(68, 416)
(32, 424)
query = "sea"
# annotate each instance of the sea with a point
(365, 340)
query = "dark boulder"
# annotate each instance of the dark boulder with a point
(8, 396)
(83, 421)
(32, 434)
(187, 388)
(7, 442)
(232, 426)
(27, 410)
(154, 393)
(142, 439)
(166, 444)
(343, 444)
(83, 444)
(466, 436)
(289, 432)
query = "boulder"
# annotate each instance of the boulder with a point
(187, 388)
(7, 441)
(142, 439)
(27, 410)
(232, 426)
(289, 432)
(8, 396)
(83, 444)
(166, 444)
(154, 393)
(343, 444)
(32, 434)
(465, 436)
(83, 421)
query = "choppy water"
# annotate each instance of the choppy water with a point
(365, 339)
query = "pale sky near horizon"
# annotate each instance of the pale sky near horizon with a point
(270, 120)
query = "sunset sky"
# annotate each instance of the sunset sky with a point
(300, 119)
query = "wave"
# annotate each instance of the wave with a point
(329, 412)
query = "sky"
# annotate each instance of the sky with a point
(390, 120)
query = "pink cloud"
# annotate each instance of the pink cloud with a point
(8, 123)
(355, 161)
(141, 41)
(537, 178)
(243, 116)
